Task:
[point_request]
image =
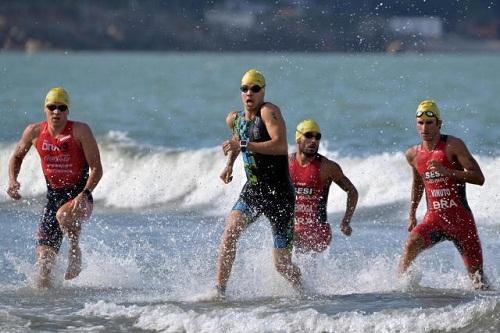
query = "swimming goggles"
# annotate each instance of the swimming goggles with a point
(255, 89)
(310, 135)
(428, 113)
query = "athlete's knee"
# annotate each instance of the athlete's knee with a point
(62, 217)
(46, 254)
(68, 222)
(234, 226)
(229, 239)
(66, 219)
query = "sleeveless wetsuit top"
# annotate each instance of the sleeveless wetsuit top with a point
(441, 192)
(260, 169)
(63, 161)
(311, 194)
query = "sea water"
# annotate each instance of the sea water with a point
(150, 248)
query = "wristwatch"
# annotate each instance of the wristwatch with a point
(243, 145)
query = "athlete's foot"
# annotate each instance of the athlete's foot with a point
(220, 292)
(43, 268)
(43, 283)
(215, 294)
(43, 280)
(410, 280)
(74, 263)
(299, 288)
(480, 282)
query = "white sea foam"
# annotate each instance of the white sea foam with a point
(264, 318)
(21, 266)
(11, 323)
(137, 177)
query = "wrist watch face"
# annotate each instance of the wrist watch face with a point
(243, 145)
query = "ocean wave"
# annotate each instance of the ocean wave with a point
(139, 176)
(172, 318)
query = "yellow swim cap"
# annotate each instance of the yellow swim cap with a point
(255, 77)
(430, 106)
(57, 95)
(306, 125)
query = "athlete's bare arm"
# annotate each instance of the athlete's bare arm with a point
(232, 145)
(83, 134)
(333, 172)
(472, 173)
(231, 149)
(23, 146)
(457, 152)
(417, 188)
(275, 124)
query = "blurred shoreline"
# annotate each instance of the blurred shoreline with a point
(232, 26)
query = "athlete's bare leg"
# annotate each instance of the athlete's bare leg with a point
(227, 250)
(74, 256)
(70, 222)
(282, 259)
(473, 261)
(46, 257)
(414, 245)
